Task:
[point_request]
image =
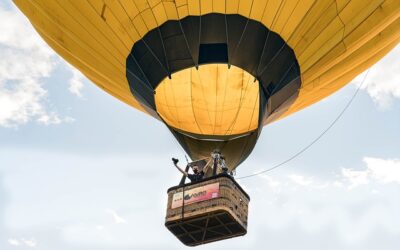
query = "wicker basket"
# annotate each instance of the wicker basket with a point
(215, 208)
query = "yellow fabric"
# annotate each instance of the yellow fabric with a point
(212, 100)
(333, 40)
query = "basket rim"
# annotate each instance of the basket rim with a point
(222, 175)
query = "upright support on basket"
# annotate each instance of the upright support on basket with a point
(215, 166)
(183, 179)
(216, 156)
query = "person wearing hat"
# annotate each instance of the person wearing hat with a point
(197, 174)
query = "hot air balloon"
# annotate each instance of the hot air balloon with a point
(216, 71)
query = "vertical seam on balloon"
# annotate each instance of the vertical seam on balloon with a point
(140, 105)
(98, 30)
(93, 37)
(291, 13)
(223, 100)
(199, 31)
(216, 99)
(344, 26)
(306, 14)
(161, 38)
(241, 93)
(282, 78)
(343, 45)
(254, 109)
(324, 28)
(204, 97)
(73, 38)
(277, 14)
(186, 41)
(123, 25)
(226, 35)
(262, 53)
(141, 71)
(314, 23)
(242, 96)
(202, 89)
(191, 100)
(244, 30)
(142, 38)
(228, 71)
(318, 88)
(273, 58)
(263, 13)
(166, 104)
(175, 107)
(200, 22)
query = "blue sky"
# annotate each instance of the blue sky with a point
(82, 170)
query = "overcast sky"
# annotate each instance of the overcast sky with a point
(81, 170)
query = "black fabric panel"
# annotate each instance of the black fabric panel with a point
(216, 38)
(212, 29)
(176, 46)
(213, 53)
(235, 27)
(142, 90)
(280, 97)
(191, 29)
(154, 41)
(275, 72)
(246, 52)
(235, 150)
(272, 47)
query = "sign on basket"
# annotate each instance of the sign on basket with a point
(198, 194)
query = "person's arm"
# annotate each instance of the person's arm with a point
(180, 170)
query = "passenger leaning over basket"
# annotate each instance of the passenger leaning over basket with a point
(196, 176)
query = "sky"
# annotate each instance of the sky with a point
(81, 170)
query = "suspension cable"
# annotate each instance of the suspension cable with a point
(313, 141)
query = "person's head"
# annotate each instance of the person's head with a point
(195, 169)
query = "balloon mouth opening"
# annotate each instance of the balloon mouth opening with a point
(211, 102)
(213, 138)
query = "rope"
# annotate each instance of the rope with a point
(183, 202)
(313, 141)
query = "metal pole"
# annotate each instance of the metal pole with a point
(215, 156)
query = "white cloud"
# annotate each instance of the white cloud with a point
(29, 243)
(25, 62)
(13, 242)
(301, 180)
(271, 182)
(54, 118)
(383, 82)
(76, 82)
(117, 219)
(355, 177)
(351, 206)
(383, 170)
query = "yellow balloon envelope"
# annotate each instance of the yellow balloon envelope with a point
(216, 71)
